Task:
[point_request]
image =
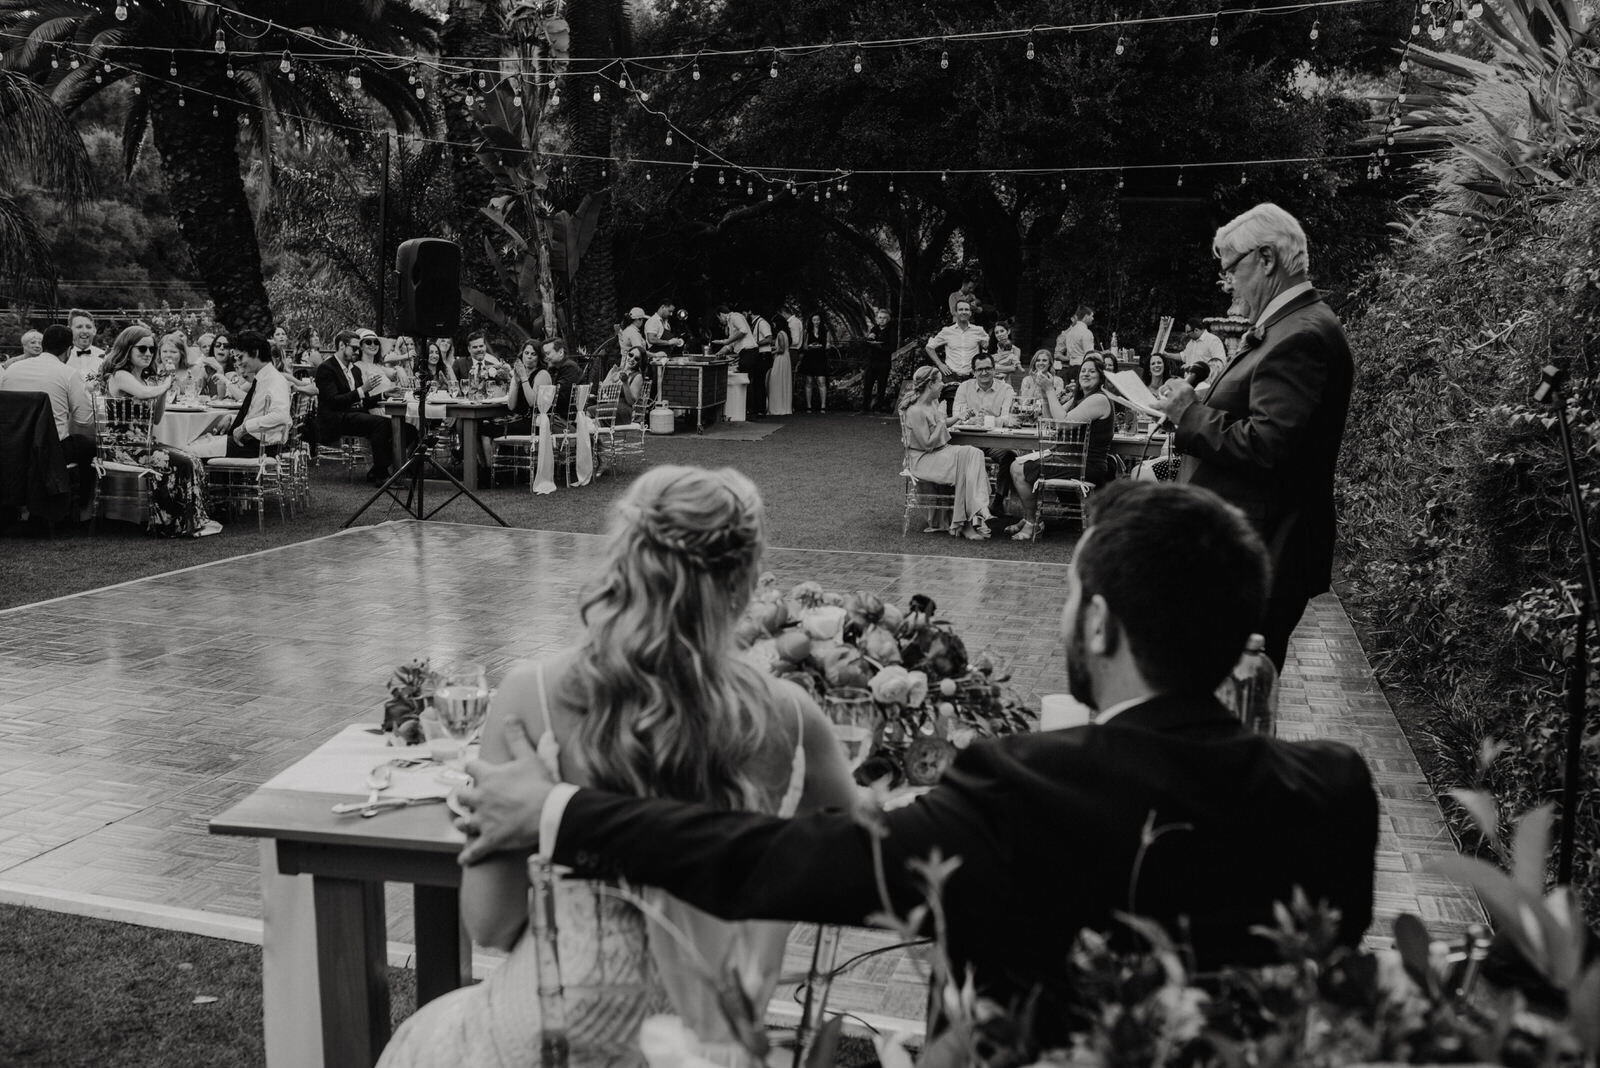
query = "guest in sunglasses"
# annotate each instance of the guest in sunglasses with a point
(177, 500)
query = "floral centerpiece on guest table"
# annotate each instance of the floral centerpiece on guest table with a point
(931, 698)
(410, 688)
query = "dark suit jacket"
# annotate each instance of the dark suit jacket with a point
(334, 400)
(1048, 828)
(33, 469)
(1266, 438)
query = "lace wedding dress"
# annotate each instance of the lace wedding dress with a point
(617, 966)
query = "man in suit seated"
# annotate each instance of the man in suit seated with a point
(262, 422)
(1164, 806)
(344, 403)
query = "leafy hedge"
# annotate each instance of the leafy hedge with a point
(1461, 551)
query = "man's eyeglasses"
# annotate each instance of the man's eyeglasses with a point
(1229, 268)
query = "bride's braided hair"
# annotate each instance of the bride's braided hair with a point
(670, 711)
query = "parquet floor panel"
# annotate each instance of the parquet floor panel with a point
(130, 715)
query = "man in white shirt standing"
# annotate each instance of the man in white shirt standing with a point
(1203, 346)
(262, 422)
(658, 331)
(70, 403)
(953, 348)
(1076, 341)
(740, 337)
(86, 356)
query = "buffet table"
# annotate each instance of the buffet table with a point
(693, 385)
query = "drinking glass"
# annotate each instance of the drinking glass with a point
(461, 701)
(854, 716)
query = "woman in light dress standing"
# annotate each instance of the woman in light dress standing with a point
(780, 382)
(651, 701)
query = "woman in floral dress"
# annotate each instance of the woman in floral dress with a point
(177, 501)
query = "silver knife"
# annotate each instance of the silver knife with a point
(383, 804)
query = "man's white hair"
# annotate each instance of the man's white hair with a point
(1264, 225)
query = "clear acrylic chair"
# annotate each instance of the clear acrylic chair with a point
(124, 426)
(1063, 481)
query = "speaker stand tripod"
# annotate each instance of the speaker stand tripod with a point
(415, 470)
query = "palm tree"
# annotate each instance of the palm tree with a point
(36, 141)
(192, 102)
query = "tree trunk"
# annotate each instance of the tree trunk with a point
(593, 294)
(472, 30)
(200, 156)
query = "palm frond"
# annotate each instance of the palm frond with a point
(24, 253)
(37, 139)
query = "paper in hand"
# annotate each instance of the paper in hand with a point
(1128, 386)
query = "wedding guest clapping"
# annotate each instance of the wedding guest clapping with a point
(651, 701)
(925, 431)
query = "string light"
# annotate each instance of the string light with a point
(722, 177)
(769, 194)
(772, 71)
(138, 90)
(695, 73)
(1474, 10)
(595, 96)
(182, 103)
(891, 184)
(172, 68)
(215, 114)
(220, 45)
(1458, 23)
(74, 62)
(1180, 178)
(1316, 28)
(856, 66)
(1216, 23)
(1030, 44)
(1119, 179)
(286, 65)
(1063, 183)
(944, 60)
(1122, 45)
(55, 60)
(122, 11)
(230, 72)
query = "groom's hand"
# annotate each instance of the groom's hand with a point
(504, 801)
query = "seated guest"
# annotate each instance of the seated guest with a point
(1088, 404)
(652, 700)
(925, 431)
(177, 498)
(344, 402)
(1042, 394)
(986, 396)
(439, 369)
(309, 351)
(398, 362)
(627, 375)
(562, 372)
(32, 342)
(369, 351)
(280, 361)
(480, 365)
(1164, 806)
(262, 421)
(175, 354)
(70, 402)
(1155, 375)
(224, 381)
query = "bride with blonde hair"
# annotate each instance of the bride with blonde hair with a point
(653, 701)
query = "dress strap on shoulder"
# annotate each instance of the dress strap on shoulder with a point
(549, 749)
(797, 767)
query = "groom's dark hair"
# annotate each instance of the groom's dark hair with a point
(1184, 574)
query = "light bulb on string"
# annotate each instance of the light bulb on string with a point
(1405, 64)
(1305, 174)
(220, 45)
(595, 96)
(1216, 21)
(244, 117)
(722, 178)
(182, 103)
(669, 139)
(138, 90)
(622, 82)
(891, 184)
(790, 185)
(172, 64)
(1030, 45)
(828, 192)
(516, 99)
(1436, 30)
(648, 176)
(1416, 27)
(1474, 10)
(122, 11)
(856, 65)
(215, 114)
(1180, 177)
(74, 64)
(354, 78)
(1458, 23)
(1244, 176)
(750, 189)
(1119, 179)
(816, 197)
(944, 60)
(230, 72)
(422, 91)
(694, 72)
(1122, 45)
(772, 71)
(1316, 29)
(55, 61)
(944, 176)
(769, 194)
(285, 65)
(411, 76)
(99, 79)
(483, 82)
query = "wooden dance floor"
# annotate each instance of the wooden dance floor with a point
(131, 715)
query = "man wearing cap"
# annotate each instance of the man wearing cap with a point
(632, 335)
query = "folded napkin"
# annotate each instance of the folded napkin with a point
(340, 766)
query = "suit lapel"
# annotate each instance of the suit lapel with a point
(1310, 296)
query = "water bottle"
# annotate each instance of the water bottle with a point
(1251, 689)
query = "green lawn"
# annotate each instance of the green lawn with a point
(830, 482)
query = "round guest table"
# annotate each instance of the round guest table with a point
(180, 427)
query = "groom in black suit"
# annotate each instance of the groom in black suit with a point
(344, 405)
(1266, 437)
(1165, 806)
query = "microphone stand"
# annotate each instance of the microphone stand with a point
(1577, 676)
(415, 469)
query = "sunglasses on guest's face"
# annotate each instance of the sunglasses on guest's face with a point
(370, 341)
(144, 348)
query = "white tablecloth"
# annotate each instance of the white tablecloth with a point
(181, 428)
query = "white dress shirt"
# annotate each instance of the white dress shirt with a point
(267, 419)
(960, 346)
(69, 397)
(1207, 346)
(973, 399)
(86, 361)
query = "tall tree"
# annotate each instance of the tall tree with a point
(37, 142)
(601, 29)
(192, 101)
(472, 33)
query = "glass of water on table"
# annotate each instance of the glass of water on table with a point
(460, 701)
(855, 721)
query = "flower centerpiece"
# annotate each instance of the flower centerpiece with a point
(931, 698)
(410, 688)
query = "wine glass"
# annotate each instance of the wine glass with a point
(461, 701)
(854, 717)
